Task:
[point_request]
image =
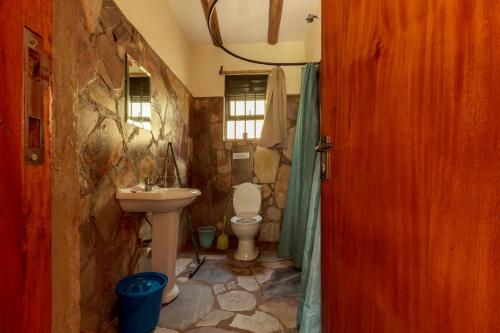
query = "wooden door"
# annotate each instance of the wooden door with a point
(25, 288)
(411, 215)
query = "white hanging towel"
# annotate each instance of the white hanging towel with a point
(274, 130)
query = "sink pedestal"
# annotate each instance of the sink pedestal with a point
(165, 204)
(164, 250)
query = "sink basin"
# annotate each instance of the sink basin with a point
(158, 200)
(165, 204)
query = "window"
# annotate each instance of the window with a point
(139, 113)
(245, 106)
(138, 95)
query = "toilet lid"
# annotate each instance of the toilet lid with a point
(246, 200)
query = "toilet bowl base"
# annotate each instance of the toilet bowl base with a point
(246, 251)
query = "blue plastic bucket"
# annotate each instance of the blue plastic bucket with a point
(139, 301)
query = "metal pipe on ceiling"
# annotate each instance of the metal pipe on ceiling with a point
(260, 62)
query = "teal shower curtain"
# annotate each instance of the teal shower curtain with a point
(309, 310)
(294, 227)
(300, 234)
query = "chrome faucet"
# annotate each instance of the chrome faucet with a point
(149, 182)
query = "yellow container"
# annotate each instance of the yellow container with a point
(222, 242)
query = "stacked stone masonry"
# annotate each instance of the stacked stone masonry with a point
(114, 154)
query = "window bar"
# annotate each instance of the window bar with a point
(245, 119)
(255, 115)
(140, 109)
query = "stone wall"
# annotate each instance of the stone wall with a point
(215, 171)
(113, 154)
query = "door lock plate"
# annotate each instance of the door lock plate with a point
(36, 81)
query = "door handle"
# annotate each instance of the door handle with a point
(323, 145)
(323, 148)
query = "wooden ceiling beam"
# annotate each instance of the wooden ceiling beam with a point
(214, 25)
(275, 10)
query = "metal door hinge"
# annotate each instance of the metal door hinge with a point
(323, 148)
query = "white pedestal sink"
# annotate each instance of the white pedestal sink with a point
(165, 204)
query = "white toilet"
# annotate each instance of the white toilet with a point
(246, 223)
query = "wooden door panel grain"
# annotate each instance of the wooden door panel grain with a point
(25, 215)
(411, 224)
(11, 228)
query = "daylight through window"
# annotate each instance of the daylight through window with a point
(245, 105)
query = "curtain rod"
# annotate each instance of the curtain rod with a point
(219, 44)
(243, 72)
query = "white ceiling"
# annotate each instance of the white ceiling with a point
(244, 21)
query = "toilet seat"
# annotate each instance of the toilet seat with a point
(246, 220)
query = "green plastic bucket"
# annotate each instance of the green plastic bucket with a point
(207, 235)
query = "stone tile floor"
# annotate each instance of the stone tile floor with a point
(227, 295)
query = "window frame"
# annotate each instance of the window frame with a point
(255, 117)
